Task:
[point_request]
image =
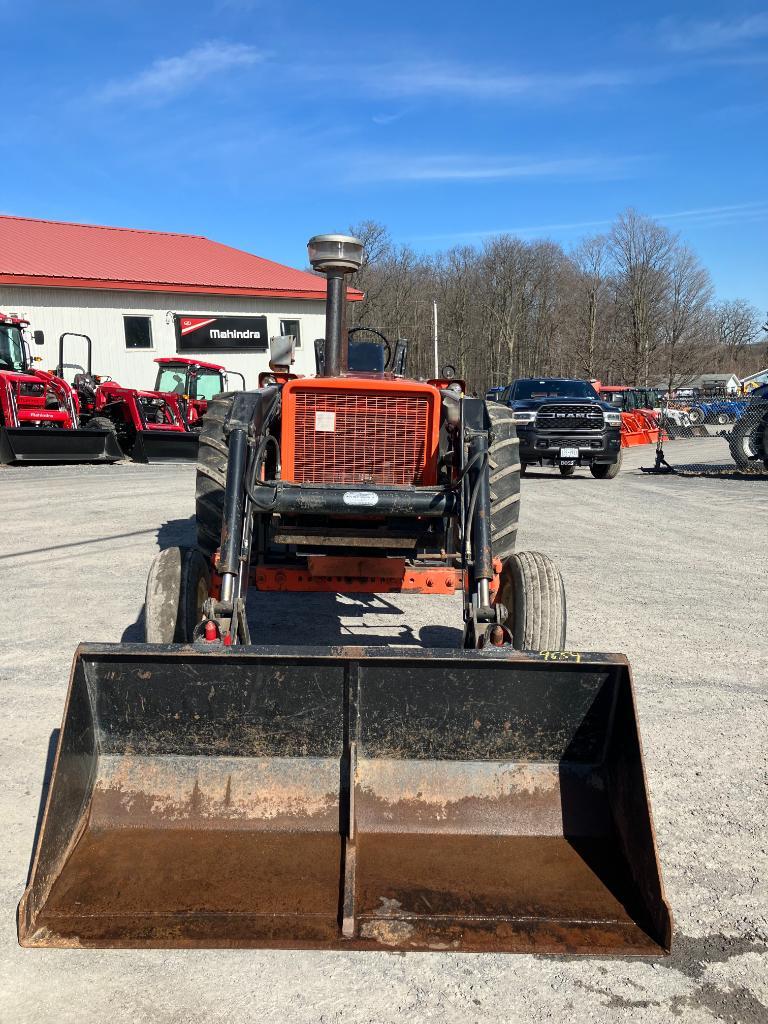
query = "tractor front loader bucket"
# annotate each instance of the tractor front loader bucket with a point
(349, 798)
(38, 444)
(165, 446)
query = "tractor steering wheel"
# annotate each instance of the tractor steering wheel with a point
(372, 330)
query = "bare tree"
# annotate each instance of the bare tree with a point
(590, 260)
(685, 351)
(737, 326)
(641, 249)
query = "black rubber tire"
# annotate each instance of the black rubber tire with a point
(696, 416)
(532, 590)
(523, 468)
(722, 418)
(179, 581)
(567, 470)
(504, 479)
(604, 471)
(101, 423)
(744, 440)
(212, 456)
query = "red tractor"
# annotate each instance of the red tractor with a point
(151, 426)
(39, 411)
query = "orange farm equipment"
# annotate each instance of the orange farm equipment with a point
(212, 790)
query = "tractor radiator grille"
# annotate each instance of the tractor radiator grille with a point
(343, 438)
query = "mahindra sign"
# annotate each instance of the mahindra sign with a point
(221, 333)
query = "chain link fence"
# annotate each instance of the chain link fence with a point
(713, 435)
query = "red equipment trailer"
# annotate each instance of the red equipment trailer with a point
(39, 411)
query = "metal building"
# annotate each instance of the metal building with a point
(143, 294)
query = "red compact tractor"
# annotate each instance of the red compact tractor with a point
(39, 411)
(161, 425)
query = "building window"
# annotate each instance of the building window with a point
(138, 331)
(291, 327)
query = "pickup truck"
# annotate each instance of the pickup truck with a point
(564, 423)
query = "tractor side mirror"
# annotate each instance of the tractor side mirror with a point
(39, 337)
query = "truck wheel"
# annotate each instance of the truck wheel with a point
(178, 583)
(531, 588)
(567, 470)
(504, 479)
(212, 456)
(603, 471)
(743, 442)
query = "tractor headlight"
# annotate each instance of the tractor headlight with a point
(523, 417)
(612, 419)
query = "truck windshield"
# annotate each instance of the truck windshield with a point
(11, 348)
(553, 389)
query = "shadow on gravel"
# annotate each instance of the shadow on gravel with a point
(50, 754)
(690, 957)
(291, 619)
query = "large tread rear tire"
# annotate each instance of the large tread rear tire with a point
(533, 592)
(504, 480)
(212, 456)
(179, 581)
(744, 440)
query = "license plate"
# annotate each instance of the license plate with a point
(569, 453)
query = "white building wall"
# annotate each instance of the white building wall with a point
(99, 314)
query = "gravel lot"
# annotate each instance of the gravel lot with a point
(669, 570)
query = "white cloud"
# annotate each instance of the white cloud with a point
(414, 79)
(704, 216)
(457, 168)
(171, 76)
(693, 36)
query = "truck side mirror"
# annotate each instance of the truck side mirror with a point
(39, 337)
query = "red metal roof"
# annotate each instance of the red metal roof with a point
(57, 254)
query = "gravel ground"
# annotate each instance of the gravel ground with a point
(669, 570)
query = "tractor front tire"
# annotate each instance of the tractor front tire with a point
(179, 581)
(531, 589)
(504, 479)
(101, 423)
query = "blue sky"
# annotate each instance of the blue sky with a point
(260, 123)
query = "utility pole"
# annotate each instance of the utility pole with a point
(434, 327)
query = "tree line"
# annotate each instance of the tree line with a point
(631, 306)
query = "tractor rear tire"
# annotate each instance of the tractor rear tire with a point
(603, 471)
(212, 456)
(178, 583)
(744, 441)
(532, 590)
(504, 479)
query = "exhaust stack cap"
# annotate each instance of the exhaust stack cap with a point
(335, 252)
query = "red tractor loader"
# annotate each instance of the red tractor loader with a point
(39, 412)
(208, 792)
(162, 425)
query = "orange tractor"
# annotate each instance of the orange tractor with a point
(212, 790)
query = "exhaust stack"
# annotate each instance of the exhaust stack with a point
(335, 256)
